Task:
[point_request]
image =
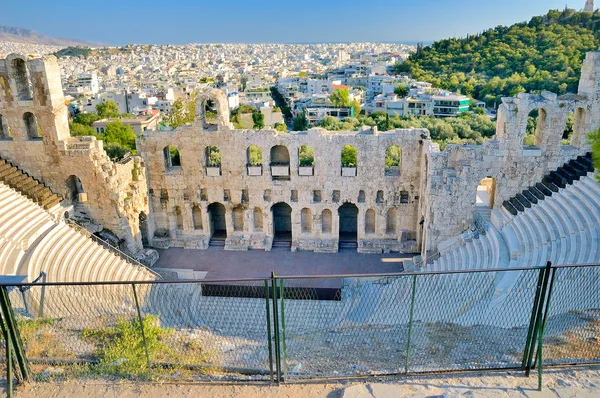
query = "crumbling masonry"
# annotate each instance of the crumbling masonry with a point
(184, 195)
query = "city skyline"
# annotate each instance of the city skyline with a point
(312, 22)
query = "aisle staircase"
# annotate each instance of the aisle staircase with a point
(32, 188)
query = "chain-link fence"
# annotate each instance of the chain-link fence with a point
(285, 328)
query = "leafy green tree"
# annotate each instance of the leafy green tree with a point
(340, 97)
(349, 156)
(401, 90)
(259, 120)
(300, 122)
(79, 130)
(281, 127)
(86, 119)
(115, 151)
(357, 108)
(117, 132)
(255, 156)
(214, 156)
(107, 109)
(393, 156)
(306, 156)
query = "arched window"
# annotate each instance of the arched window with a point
(254, 156)
(326, 222)
(349, 157)
(179, 218)
(535, 124)
(238, 218)
(31, 126)
(306, 220)
(75, 187)
(4, 130)
(22, 81)
(213, 156)
(370, 221)
(390, 224)
(393, 160)
(306, 156)
(172, 157)
(197, 217)
(280, 156)
(379, 198)
(361, 196)
(258, 220)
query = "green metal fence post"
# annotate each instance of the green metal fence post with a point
(410, 323)
(283, 330)
(538, 319)
(540, 358)
(269, 337)
(14, 336)
(9, 360)
(139, 313)
(534, 310)
(276, 328)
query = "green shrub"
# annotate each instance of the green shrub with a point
(306, 155)
(349, 156)
(254, 156)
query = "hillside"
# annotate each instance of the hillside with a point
(545, 53)
(21, 35)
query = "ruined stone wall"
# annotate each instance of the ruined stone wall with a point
(116, 193)
(176, 191)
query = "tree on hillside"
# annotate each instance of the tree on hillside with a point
(300, 122)
(119, 133)
(107, 109)
(79, 130)
(401, 90)
(86, 119)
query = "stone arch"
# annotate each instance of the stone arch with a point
(219, 104)
(4, 129)
(306, 156)
(212, 156)
(391, 221)
(306, 220)
(393, 160)
(258, 219)
(144, 230)
(22, 80)
(254, 155)
(282, 221)
(31, 126)
(486, 191)
(326, 221)
(74, 187)
(280, 156)
(348, 215)
(172, 157)
(238, 218)
(370, 221)
(536, 123)
(179, 218)
(197, 217)
(218, 223)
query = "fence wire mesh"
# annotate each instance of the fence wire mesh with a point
(315, 327)
(572, 332)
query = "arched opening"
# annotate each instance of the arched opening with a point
(179, 218)
(306, 156)
(238, 218)
(579, 127)
(379, 198)
(393, 160)
(172, 157)
(326, 218)
(370, 221)
(348, 214)
(4, 130)
(31, 126)
(218, 223)
(390, 222)
(254, 156)
(485, 193)
(22, 80)
(258, 219)
(143, 219)
(361, 196)
(197, 217)
(569, 127)
(209, 112)
(212, 156)
(74, 187)
(280, 163)
(535, 123)
(282, 222)
(349, 158)
(306, 220)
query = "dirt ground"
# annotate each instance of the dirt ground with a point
(563, 383)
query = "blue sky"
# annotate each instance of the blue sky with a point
(120, 22)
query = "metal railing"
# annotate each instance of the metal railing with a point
(108, 246)
(287, 328)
